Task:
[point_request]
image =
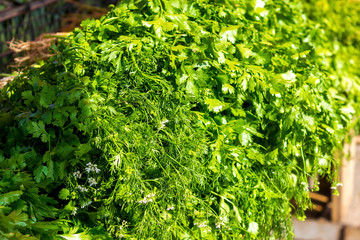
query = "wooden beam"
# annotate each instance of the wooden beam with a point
(17, 11)
(319, 197)
(317, 208)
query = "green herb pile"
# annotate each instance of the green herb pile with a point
(191, 119)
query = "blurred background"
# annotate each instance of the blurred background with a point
(335, 217)
(28, 20)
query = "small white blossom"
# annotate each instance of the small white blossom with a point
(74, 212)
(306, 186)
(86, 204)
(222, 222)
(147, 199)
(201, 225)
(77, 174)
(92, 182)
(92, 168)
(217, 108)
(339, 185)
(88, 169)
(223, 219)
(124, 223)
(82, 188)
(163, 123)
(170, 208)
(207, 230)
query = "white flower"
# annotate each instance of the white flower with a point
(207, 230)
(202, 225)
(170, 208)
(147, 199)
(82, 189)
(222, 222)
(74, 212)
(92, 168)
(339, 185)
(217, 108)
(77, 174)
(92, 182)
(306, 186)
(89, 167)
(86, 204)
(162, 123)
(223, 219)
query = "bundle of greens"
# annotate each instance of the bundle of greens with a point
(192, 119)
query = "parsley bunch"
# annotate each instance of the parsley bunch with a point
(175, 119)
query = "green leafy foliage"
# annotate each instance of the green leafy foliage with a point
(180, 120)
(23, 208)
